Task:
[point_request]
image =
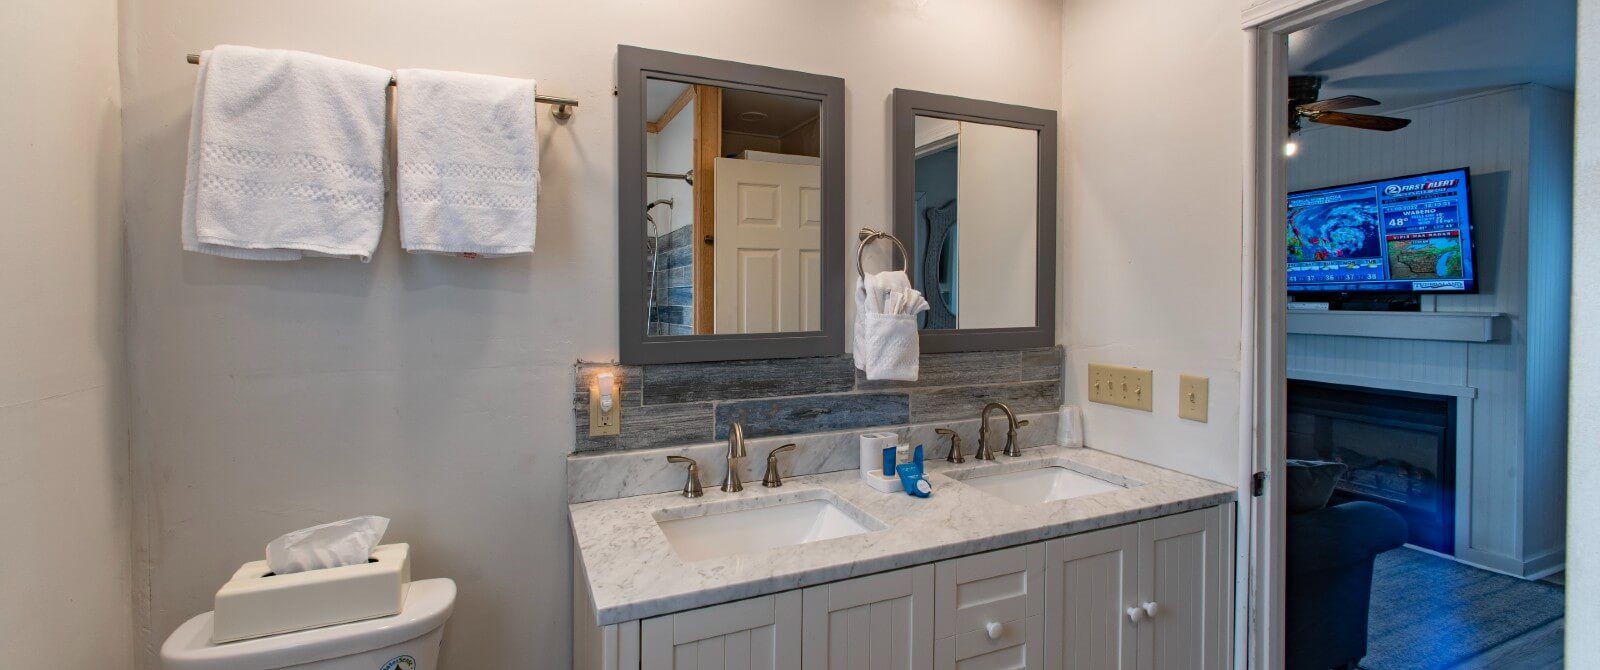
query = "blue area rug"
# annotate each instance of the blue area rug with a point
(1430, 612)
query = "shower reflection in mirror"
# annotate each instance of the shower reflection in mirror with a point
(733, 199)
(976, 217)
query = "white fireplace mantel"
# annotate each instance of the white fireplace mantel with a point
(1443, 326)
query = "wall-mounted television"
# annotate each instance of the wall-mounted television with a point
(1401, 235)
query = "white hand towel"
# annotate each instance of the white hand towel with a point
(469, 163)
(889, 346)
(886, 344)
(285, 156)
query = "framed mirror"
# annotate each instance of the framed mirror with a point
(975, 203)
(730, 210)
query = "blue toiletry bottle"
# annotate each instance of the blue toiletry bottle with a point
(911, 477)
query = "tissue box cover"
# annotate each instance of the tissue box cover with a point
(255, 602)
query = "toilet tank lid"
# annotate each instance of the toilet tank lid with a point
(428, 604)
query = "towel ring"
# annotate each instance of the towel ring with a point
(867, 235)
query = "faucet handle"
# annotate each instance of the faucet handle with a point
(773, 478)
(691, 487)
(1012, 448)
(955, 455)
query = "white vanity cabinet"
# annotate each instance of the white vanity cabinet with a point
(1152, 595)
(989, 611)
(878, 622)
(1149, 596)
(759, 634)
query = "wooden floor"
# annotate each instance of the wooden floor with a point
(1537, 649)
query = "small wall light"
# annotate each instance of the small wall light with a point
(1290, 148)
(605, 383)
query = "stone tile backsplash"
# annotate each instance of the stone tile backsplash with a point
(693, 403)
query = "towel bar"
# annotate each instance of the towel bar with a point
(867, 235)
(562, 109)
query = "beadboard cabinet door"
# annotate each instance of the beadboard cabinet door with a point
(757, 634)
(1156, 595)
(878, 622)
(1090, 581)
(1182, 571)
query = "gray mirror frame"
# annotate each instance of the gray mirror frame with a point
(907, 105)
(634, 64)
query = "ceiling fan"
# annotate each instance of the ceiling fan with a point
(1303, 104)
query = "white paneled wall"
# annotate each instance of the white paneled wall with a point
(1517, 143)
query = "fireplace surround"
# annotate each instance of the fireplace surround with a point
(1399, 447)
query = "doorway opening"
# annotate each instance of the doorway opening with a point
(1410, 274)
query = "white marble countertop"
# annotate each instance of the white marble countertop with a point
(633, 573)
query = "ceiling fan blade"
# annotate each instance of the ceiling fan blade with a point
(1362, 121)
(1341, 102)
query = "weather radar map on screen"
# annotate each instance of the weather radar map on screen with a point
(1402, 235)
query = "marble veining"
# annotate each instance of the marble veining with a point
(633, 572)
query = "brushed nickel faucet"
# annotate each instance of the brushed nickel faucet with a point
(1012, 449)
(691, 486)
(730, 482)
(955, 455)
(772, 478)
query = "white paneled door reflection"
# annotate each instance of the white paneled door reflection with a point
(768, 247)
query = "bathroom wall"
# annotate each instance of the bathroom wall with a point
(64, 491)
(1152, 202)
(438, 391)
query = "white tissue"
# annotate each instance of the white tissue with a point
(329, 545)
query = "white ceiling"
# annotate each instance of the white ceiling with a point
(1409, 52)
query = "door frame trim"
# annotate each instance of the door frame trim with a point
(1263, 371)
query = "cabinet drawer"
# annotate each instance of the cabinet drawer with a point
(972, 591)
(1020, 646)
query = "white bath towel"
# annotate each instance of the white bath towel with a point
(285, 156)
(468, 178)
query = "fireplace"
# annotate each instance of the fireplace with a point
(1399, 447)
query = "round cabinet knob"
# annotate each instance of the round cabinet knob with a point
(1136, 614)
(1152, 609)
(994, 628)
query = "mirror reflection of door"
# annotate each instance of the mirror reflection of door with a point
(976, 229)
(733, 211)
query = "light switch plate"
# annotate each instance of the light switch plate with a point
(1121, 385)
(1194, 397)
(602, 423)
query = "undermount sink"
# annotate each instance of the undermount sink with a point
(1038, 485)
(699, 533)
